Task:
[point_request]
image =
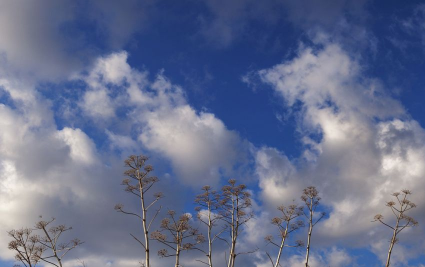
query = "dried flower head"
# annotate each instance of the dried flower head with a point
(277, 221)
(299, 243)
(390, 203)
(158, 195)
(378, 217)
(268, 238)
(162, 253)
(156, 235)
(406, 192)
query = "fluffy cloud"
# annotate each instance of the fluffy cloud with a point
(360, 145)
(275, 173)
(333, 257)
(199, 145)
(81, 147)
(65, 173)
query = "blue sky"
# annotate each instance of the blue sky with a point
(277, 94)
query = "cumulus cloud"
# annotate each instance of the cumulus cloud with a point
(332, 257)
(360, 145)
(275, 173)
(81, 147)
(71, 177)
(338, 257)
(65, 173)
(199, 146)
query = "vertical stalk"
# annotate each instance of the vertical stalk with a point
(55, 254)
(230, 264)
(178, 251)
(145, 229)
(282, 244)
(236, 232)
(310, 229)
(209, 236)
(393, 240)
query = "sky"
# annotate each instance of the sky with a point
(278, 95)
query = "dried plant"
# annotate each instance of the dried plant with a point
(234, 205)
(27, 247)
(180, 231)
(286, 225)
(139, 172)
(311, 200)
(31, 248)
(50, 241)
(209, 204)
(402, 222)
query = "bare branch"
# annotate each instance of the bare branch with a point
(140, 242)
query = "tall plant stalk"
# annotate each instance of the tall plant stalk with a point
(234, 205)
(139, 172)
(209, 204)
(311, 200)
(286, 225)
(402, 220)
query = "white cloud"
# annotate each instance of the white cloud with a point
(338, 258)
(110, 69)
(360, 144)
(97, 104)
(275, 173)
(299, 261)
(82, 148)
(400, 255)
(121, 141)
(333, 257)
(199, 146)
(64, 173)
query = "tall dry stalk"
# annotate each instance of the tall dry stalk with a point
(139, 172)
(50, 240)
(209, 204)
(180, 231)
(234, 205)
(311, 200)
(27, 247)
(286, 225)
(32, 248)
(402, 221)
